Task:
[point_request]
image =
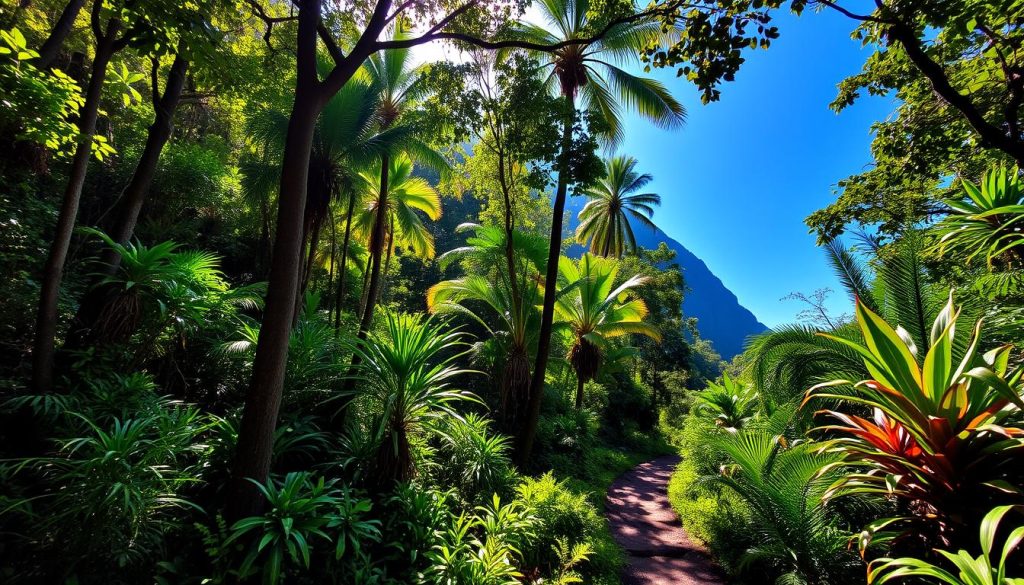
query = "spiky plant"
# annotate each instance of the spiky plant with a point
(732, 403)
(605, 219)
(944, 439)
(488, 284)
(987, 221)
(594, 311)
(406, 372)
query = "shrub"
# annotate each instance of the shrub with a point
(475, 459)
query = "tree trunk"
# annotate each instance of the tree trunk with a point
(259, 417)
(61, 29)
(547, 317)
(132, 199)
(340, 300)
(53, 270)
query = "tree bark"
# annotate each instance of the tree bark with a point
(340, 299)
(377, 243)
(61, 29)
(259, 417)
(53, 270)
(535, 398)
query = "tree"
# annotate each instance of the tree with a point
(605, 220)
(489, 282)
(954, 70)
(593, 310)
(583, 71)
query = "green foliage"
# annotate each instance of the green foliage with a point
(731, 403)
(40, 105)
(301, 511)
(406, 373)
(986, 222)
(785, 488)
(971, 570)
(475, 458)
(614, 202)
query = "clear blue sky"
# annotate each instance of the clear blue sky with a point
(738, 180)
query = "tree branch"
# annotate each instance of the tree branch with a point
(853, 15)
(991, 135)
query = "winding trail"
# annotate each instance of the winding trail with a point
(643, 523)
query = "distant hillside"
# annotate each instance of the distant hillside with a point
(720, 316)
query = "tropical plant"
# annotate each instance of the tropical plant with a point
(594, 310)
(112, 492)
(482, 257)
(605, 219)
(477, 459)
(173, 291)
(406, 372)
(482, 548)
(732, 403)
(970, 570)
(987, 221)
(407, 194)
(300, 510)
(942, 441)
(785, 486)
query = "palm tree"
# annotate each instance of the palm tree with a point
(348, 136)
(402, 371)
(489, 283)
(395, 210)
(585, 72)
(398, 83)
(604, 221)
(594, 313)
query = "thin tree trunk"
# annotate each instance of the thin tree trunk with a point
(133, 197)
(332, 263)
(579, 392)
(387, 263)
(376, 249)
(529, 430)
(61, 29)
(53, 270)
(340, 300)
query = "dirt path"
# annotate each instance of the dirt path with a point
(644, 523)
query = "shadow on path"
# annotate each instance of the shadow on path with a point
(643, 523)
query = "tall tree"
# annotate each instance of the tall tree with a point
(605, 220)
(583, 72)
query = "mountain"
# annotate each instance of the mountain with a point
(720, 316)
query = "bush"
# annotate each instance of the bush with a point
(569, 516)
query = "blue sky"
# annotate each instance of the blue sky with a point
(738, 180)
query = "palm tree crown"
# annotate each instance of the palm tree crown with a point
(604, 221)
(589, 71)
(594, 311)
(407, 195)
